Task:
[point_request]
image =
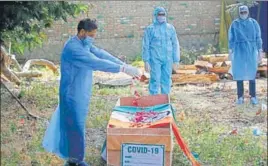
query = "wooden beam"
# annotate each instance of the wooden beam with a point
(195, 78)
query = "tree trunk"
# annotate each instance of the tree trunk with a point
(5, 61)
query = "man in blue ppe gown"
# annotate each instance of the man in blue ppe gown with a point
(65, 135)
(160, 52)
(245, 49)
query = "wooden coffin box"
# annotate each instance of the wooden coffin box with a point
(128, 146)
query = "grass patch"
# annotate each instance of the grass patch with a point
(101, 107)
(210, 141)
(42, 94)
(11, 160)
(215, 147)
(100, 110)
(122, 91)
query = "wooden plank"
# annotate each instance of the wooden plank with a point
(186, 71)
(262, 68)
(195, 79)
(187, 67)
(203, 64)
(219, 70)
(214, 58)
(218, 64)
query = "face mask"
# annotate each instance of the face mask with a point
(243, 16)
(161, 19)
(88, 41)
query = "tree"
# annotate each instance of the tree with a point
(22, 22)
(233, 7)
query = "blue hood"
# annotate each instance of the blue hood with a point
(156, 11)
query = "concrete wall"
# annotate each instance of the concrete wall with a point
(122, 23)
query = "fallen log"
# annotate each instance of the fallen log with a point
(203, 64)
(262, 68)
(186, 71)
(218, 64)
(195, 79)
(5, 61)
(43, 62)
(219, 70)
(10, 75)
(15, 62)
(28, 74)
(3, 78)
(214, 58)
(187, 67)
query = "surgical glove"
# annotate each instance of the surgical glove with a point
(131, 71)
(147, 67)
(230, 57)
(175, 66)
(260, 56)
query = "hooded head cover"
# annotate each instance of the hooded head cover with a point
(159, 19)
(243, 12)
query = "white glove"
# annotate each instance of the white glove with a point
(147, 67)
(131, 71)
(175, 66)
(230, 57)
(260, 56)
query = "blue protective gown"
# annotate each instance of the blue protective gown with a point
(160, 49)
(65, 135)
(245, 41)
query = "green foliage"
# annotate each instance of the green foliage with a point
(138, 62)
(21, 23)
(38, 91)
(188, 56)
(233, 7)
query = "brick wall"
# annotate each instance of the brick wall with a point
(122, 23)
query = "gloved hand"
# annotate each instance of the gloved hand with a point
(147, 67)
(175, 66)
(131, 71)
(260, 56)
(230, 57)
